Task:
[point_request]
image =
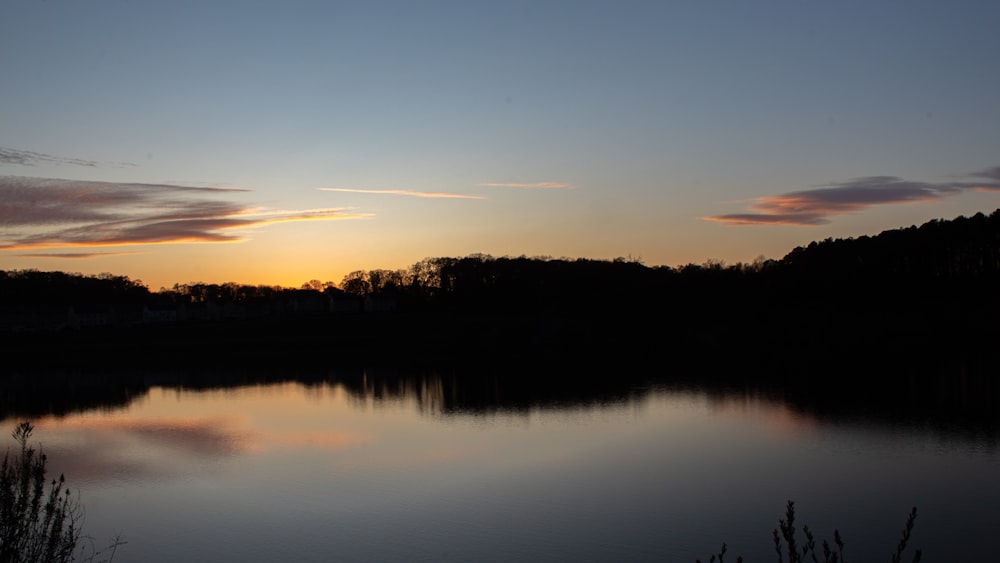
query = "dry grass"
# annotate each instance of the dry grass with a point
(787, 548)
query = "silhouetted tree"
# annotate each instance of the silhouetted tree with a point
(356, 283)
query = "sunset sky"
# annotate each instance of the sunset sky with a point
(278, 142)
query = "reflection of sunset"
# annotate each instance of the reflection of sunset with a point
(316, 440)
(164, 434)
(784, 420)
(197, 435)
(776, 416)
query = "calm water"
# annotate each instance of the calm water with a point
(390, 469)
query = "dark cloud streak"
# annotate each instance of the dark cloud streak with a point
(52, 213)
(29, 158)
(990, 173)
(816, 206)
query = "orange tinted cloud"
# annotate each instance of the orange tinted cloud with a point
(52, 213)
(75, 254)
(411, 193)
(814, 207)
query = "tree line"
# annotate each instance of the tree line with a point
(903, 262)
(899, 263)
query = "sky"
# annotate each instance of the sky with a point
(281, 142)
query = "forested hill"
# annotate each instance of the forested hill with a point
(936, 255)
(965, 246)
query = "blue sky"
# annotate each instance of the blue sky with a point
(199, 141)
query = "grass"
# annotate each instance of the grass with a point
(40, 520)
(787, 548)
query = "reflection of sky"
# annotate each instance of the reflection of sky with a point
(289, 471)
(173, 432)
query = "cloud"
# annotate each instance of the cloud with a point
(411, 193)
(37, 213)
(989, 173)
(29, 158)
(534, 186)
(75, 254)
(816, 206)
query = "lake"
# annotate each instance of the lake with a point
(379, 465)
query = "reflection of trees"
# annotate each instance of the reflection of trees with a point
(467, 390)
(31, 395)
(381, 385)
(959, 398)
(955, 398)
(482, 389)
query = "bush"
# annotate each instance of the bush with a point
(35, 524)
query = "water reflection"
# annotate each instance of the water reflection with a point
(129, 448)
(385, 464)
(190, 421)
(957, 404)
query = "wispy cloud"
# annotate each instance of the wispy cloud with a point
(816, 206)
(410, 193)
(29, 158)
(531, 186)
(37, 213)
(990, 173)
(71, 255)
